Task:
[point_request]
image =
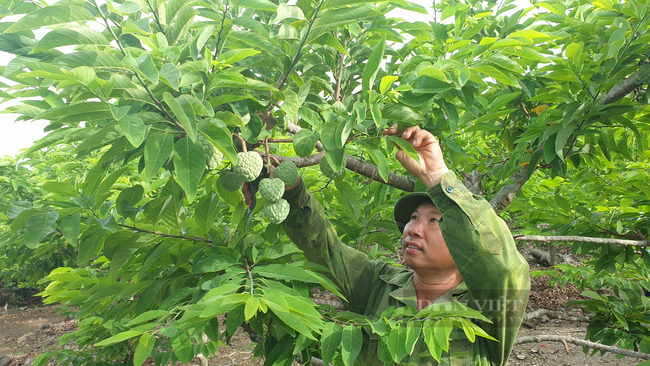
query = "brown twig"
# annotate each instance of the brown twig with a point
(583, 343)
(269, 166)
(521, 105)
(243, 142)
(583, 239)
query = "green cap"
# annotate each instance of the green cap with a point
(405, 207)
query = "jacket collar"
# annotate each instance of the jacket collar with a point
(406, 291)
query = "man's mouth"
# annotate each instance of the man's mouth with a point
(412, 247)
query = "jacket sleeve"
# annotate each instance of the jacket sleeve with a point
(352, 271)
(496, 275)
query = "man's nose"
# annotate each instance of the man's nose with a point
(416, 229)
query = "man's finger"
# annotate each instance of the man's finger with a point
(409, 132)
(392, 130)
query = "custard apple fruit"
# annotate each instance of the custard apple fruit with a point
(328, 171)
(249, 165)
(276, 212)
(230, 180)
(213, 157)
(288, 172)
(271, 189)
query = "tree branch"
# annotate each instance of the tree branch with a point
(361, 167)
(192, 238)
(506, 194)
(583, 343)
(621, 89)
(583, 239)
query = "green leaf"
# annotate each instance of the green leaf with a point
(147, 316)
(442, 329)
(144, 348)
(285, 11)
(430, 339)
(182, 346)
(348, 197)
(386, 82)
(375, 111)
(400, 112)
(199, 41)
(213, 263)
(574, 54)
(305, 141)
(38, 227)
(120, 337)
(493, 72)
(233, 56)
(50, 15)
(189, 124)
(335, 18)
(403, 145)
(561, 139)
(207, 210)
(127, 200)
(251, 307)
(189, 162)
(70, 228)
(372, 68)
(311, 117)
(148, 68)
(69, 36)
(397, 343)
(90, 241)
(125, 250)
(291, 105)
(133, 128)
(330, 4)
(351, 343)
(255, 4)
(125, 8)
(87, 111)
(65, 189)
(330, 341)
(157, 150)
(170, 73)
(220, 136)
(379, 157)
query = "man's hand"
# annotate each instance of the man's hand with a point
(248, 195)
(432, 164)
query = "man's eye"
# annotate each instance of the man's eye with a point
(434, 220)
(414, 217)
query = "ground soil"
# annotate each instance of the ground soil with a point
(27, 330)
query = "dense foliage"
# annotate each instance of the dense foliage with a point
(116, 211)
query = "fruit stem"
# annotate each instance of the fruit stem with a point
(269, 166)
(243, 142)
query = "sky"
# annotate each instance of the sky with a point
(20, 135)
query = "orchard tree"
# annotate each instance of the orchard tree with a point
(150, 108)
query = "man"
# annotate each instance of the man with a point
(455, 244)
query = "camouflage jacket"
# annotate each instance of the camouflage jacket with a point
(495, 275)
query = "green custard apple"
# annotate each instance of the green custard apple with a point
(230, 181)
(328, 171)
(213, 157)
(249, 165)
(276, 212)
(288, 172)
(271, 189)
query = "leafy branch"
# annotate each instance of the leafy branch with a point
(144, 84)
(192, 238)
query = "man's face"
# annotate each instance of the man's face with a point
(423, 246)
